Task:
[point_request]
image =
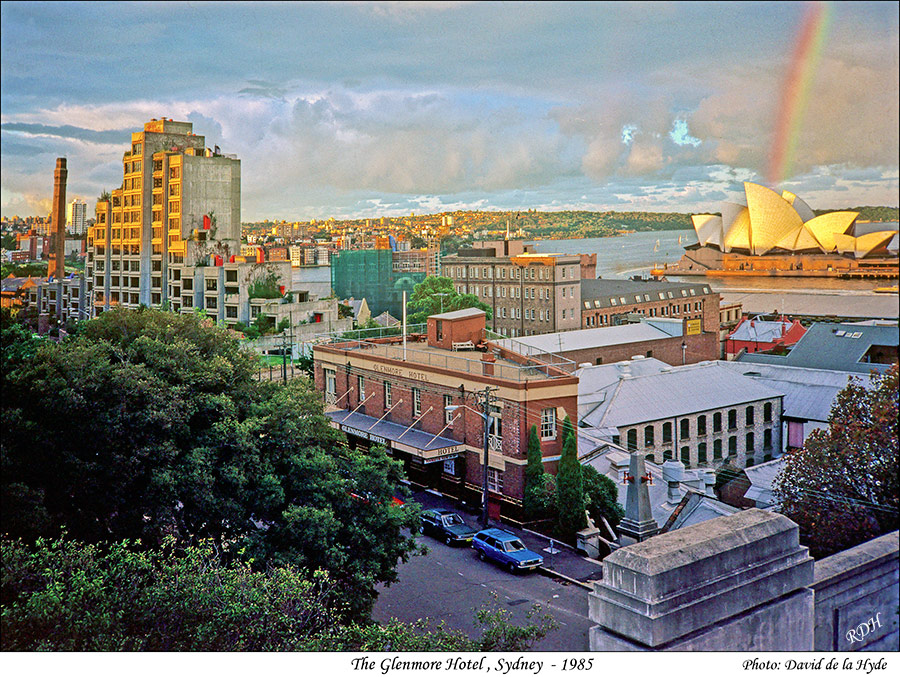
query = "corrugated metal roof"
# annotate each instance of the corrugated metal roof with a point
(458, 314)
(679, 392)
(581, 339)
(837, 346)
(808, 393)
(759, 330)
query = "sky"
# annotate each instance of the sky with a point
(366, 109)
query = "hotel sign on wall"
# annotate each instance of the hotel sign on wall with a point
(694, 327)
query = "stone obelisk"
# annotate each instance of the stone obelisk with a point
(57, 267)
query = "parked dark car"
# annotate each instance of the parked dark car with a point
(446, 526)
(505, 549)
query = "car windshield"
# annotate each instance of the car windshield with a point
(513, 546)
(452, 520)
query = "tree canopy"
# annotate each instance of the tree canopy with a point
(842, 487)
(569, 486)
(149, 424)
(434, 295)
(64, 595)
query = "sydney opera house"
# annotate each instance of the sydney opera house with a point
(780, 234)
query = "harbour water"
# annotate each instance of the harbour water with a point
(632, 254)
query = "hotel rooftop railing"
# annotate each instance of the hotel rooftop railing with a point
(536, 366)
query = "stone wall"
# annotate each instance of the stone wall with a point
(735, 583)
(856, 603)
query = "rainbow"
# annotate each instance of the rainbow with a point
(795, 91)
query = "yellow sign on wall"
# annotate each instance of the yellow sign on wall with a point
(694, 327)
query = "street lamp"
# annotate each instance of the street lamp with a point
(484, 477)
(442, 295)
(683, 352)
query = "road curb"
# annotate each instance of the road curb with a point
(550, 573)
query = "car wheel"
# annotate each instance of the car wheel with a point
(481, 555)
(511, 568)
(448, 540)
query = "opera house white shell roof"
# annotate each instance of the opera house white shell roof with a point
(770, 222)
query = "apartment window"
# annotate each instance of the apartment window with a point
(631, 438)
(188, 283)
(717, 422)
(648, 436)
(732, 445)
(749, 415)
(666, 431)
(767, 438)
(330, 382)
(685, 428)
(548, 423)
(767, 412)
(717, 449)
(231, 312)
(211, 302)
(361, 387)
(495, 480)
(231, 276)
(448, 415)
(686, 456)
(732, 419)
(749, 462)
(667, 455)
(417, 401)
(701, 425)
(750, 443)
(701, 452)
(388, 396)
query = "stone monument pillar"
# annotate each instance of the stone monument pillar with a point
(638, 523)
(734, 583)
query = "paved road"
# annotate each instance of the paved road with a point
(449, 583)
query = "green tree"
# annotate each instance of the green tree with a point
(569, 486)
(64, 595)
(534, 477)
(601, 497)
(437, 294)
(150, 424)
(842, 487)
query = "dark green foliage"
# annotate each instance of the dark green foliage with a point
(265, 287)
(150, 424)
(63, 595)
(569, 486)
(534, 474)
(67, 596)
(842, 487)
(601, 496)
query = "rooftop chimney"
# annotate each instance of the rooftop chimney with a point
(57, 267)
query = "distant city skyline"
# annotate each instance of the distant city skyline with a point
(360, 110)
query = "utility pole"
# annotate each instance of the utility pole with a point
(283, 356)
(487, 397)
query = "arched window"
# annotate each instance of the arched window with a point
(648, 436)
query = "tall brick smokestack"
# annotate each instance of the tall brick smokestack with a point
(57, 267)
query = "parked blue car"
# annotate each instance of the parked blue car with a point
(506, 550)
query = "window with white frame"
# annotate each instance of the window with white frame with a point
(417, 401)
(495, 480)
(548, 423)
(330, 385)
(448, 415)
(388, 395)
(361, 387)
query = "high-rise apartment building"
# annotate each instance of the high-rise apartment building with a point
(76, 217)
(528, 293)
(170, 235)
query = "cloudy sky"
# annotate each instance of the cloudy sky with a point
(368, 109)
